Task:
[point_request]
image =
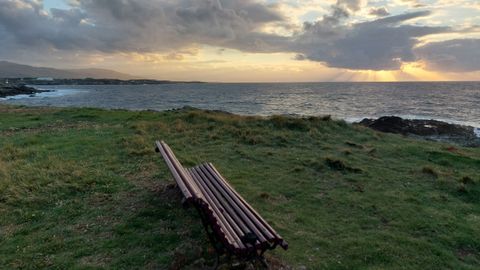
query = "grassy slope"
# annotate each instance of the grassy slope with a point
(82, 188)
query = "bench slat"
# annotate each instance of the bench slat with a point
(257, 216)
(240, 211)
(190, 184)
(214, 196)
(230, 226)
(230, 210)
(186, 192)
(247, 214)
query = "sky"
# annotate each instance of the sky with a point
(249, 40)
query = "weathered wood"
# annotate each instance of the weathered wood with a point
(257, 216)
(240, 214)
(229, 212)
(181, 184)
(234, 222)
(230, 226)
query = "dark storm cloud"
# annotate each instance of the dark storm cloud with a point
(139, 25)
(170, 27)
(457, 55)
(382, 44)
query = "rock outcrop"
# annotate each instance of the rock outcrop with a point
(19, 89)
(428, 129)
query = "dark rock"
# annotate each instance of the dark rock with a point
(428, 129)
(18, 89)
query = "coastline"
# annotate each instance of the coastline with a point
(427, 129)
(441, 130)
(452, 103)
(11, 90)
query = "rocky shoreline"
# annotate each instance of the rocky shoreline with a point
(428, 129)
(7, 90)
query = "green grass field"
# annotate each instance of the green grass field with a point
(84, 189)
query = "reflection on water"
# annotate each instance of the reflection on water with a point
(453, 101)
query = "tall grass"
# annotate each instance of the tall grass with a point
(83, 189)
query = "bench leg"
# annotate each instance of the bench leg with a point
(211, 236)
(257, 257)
(217, 262)
(263, 261)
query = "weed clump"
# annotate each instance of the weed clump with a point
(264, 195)
(289, 123)
(251, 138)
(372, 151)
(12, 153)
(336, 164)
(355, 145)
(466, 180)
(136, 146)
(326, 118)
(297, 169)
(462, 188)
(430, 171)
(313, 164)
(339, 165)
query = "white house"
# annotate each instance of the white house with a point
(44, 79)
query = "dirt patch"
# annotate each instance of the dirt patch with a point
(463, 253)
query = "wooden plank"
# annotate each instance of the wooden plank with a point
(277, 237)
(193, 188)
(176, 176)
(229, 227)
(238, 207)
(239, 228)
(218, 230)
(229, 210)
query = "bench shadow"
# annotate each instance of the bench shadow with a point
(169, 234)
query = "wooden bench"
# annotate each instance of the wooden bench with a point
(232, 225)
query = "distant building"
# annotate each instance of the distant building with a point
(44, 79)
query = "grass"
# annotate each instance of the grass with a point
(83, 189)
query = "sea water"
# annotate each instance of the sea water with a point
(455, 102)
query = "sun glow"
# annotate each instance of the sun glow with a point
(418, 72)
(375, 76)
(215, 65)
(413, 71)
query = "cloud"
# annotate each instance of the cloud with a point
(459, 55)
(139, 25)
(413, 3)
(379, 12)
(172, 28)
(382, 44)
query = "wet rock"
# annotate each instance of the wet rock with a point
(428, 129)
(19, 89)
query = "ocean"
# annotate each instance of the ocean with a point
(455, 102)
